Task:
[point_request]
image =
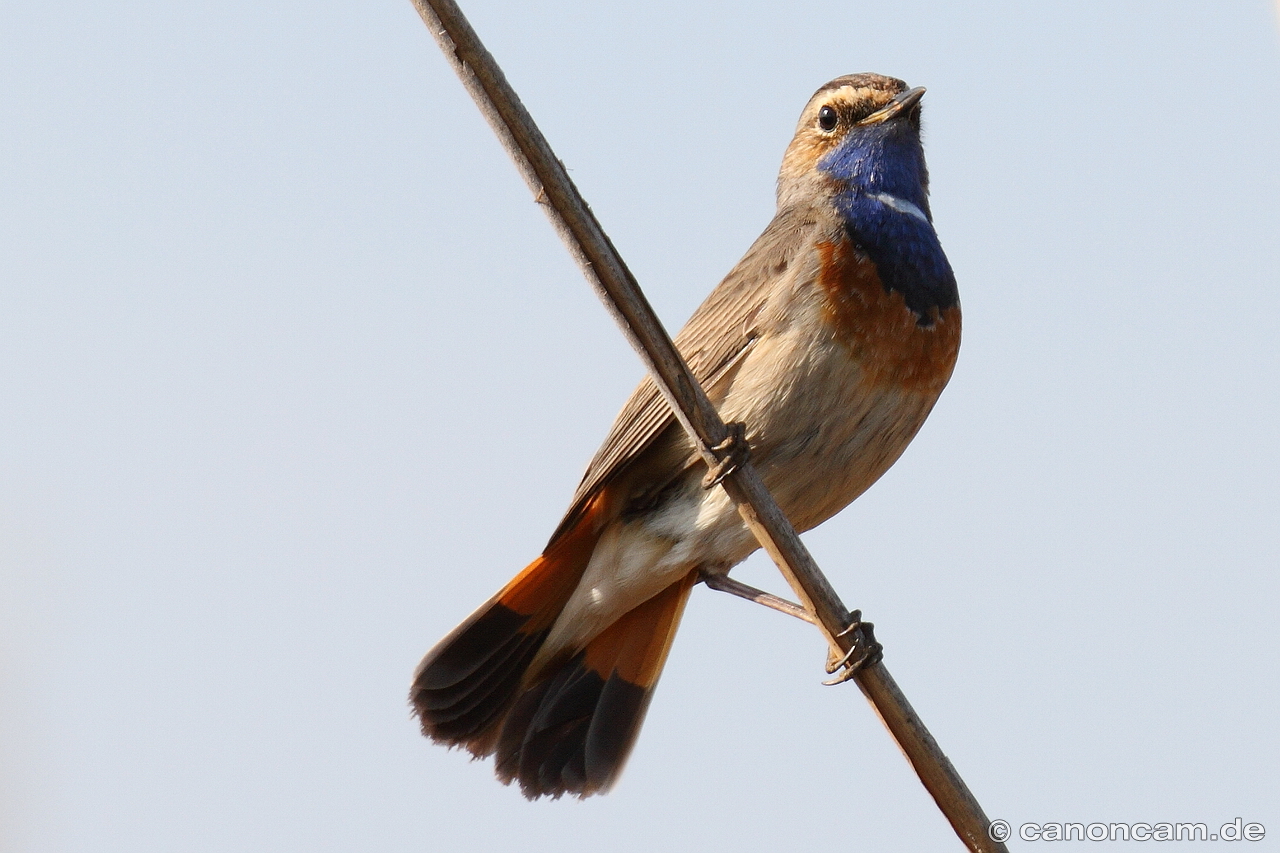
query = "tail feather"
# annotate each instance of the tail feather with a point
(460, 712)
(569, 725)
(472, 658)
(466, 683)
(572, 732)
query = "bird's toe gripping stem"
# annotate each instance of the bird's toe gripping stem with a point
(865, 650)
(732, 454)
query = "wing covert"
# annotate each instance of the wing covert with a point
(720, 332)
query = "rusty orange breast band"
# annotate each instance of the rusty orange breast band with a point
(892, 346)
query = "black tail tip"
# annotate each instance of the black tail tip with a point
(464, 685)
(570, 734)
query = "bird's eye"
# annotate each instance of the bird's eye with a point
(828, 118)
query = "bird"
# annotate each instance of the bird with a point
(831, 341)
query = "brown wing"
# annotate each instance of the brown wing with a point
(718, 334)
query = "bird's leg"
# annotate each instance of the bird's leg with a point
(723, 583)
(733, 452)
(864, 650)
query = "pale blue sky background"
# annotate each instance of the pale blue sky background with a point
(293, 374)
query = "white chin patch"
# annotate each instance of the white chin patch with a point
(901, 205)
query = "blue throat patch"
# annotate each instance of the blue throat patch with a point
(885, 206)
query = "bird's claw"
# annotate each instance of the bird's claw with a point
(732, 454)
(864, 650)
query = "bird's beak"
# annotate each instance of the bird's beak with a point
(896, 107)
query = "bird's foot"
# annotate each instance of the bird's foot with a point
(732, 454)
(863, 651)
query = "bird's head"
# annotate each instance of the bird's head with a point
(859, 136)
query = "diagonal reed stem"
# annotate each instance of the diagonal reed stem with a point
(618, 289)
